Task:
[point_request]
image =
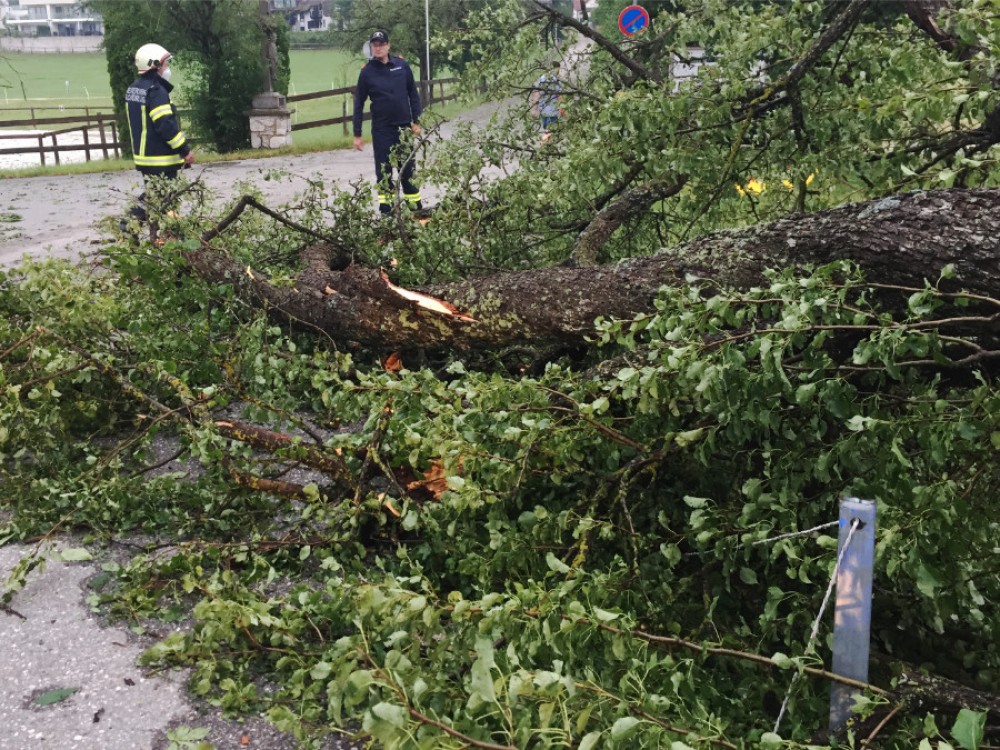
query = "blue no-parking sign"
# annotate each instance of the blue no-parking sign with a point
(633, 19)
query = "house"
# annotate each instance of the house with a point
(580, 5)
(308, 15)
(48, 18)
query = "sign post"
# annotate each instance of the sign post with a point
(853, 612)
(632, 20)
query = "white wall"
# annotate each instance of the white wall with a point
(51, 43)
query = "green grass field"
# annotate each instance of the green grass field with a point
(36, 84)
(74, 78)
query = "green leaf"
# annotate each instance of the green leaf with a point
(589, 741)
(748, 576)
(481, 681)
(320, 670)
(858, 423)
(969, 728)
(555, 564)
(76, 554)
(770, 740)
(98, 582)
(54, 696)
(930, 726)
(624, 728)
(687, 437)
(357, 685)
(391, 713)
(604, 616)
(782, 661)
(188, 734)
(928, 581)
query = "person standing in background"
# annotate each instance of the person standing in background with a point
(547, 93)
(387, 81)
(159, 147)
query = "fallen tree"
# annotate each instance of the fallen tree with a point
(904, 240)
(590, 503)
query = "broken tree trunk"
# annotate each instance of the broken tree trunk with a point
(901, 240)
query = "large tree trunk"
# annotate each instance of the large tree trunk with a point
(903, 240)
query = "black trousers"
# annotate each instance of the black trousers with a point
(138, 211)
(384, 140)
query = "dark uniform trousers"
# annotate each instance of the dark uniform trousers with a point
(165, 199)
(386, 138)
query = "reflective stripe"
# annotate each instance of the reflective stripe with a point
(177, 141)
(142, 138)
(162, 111)
(158, 161)
(412, 197)
(131, 135)
(384, 198)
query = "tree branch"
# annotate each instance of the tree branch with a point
(601, 41)
(919, 12)
(765, 98)
(632, 203)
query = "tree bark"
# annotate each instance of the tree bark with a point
(902, 240)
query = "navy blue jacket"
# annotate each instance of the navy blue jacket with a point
(158, 145)
(393, 92)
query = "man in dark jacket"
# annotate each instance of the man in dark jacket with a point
(388, 81)
(158, 144)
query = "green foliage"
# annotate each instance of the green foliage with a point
(188, 738)
(406, 23)
(580, 513)
(595, 564)
(862, 125)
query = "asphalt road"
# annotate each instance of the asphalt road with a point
(59, 214)
(69, 681)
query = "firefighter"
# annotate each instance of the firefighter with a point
(388, 82)
(159, 147)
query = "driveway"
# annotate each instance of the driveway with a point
(59, 213)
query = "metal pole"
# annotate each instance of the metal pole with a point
(427, 37)
(853, 612)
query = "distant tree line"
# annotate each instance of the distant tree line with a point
(405, 22)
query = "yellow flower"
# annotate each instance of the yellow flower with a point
(791, 186)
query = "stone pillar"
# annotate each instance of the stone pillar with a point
(270, 121)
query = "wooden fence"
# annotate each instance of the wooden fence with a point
(446, 88)
(98, 131)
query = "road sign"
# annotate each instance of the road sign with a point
(633, 19)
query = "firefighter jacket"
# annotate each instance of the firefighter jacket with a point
(393, 93)
(158, 144)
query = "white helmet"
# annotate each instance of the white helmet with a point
(151, 56)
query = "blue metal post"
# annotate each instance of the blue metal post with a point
(853, 613)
